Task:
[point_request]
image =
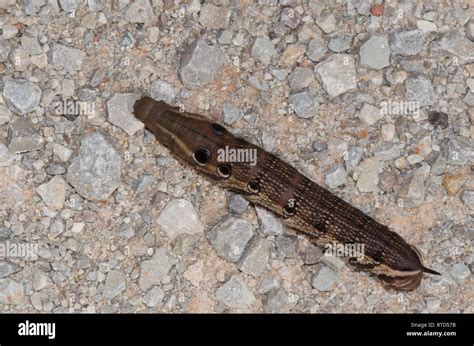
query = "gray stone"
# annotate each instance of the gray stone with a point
(63, 153)
(53, 192)
(238, 204)
(263, 50)
(230, 237)
(31, 7)
(163, 91)
(439, 166)
(459, 151)
(20, 59)
(287, 246)
(200, 64)
(368, 175)
(370, 114)
(455, 43)
(426, 26)
(69, 5)
(5, 47)
(420, 90)
(469, 30)
(352, 158)
(239, 39)
(95, 5)
(412, 193)
(6, 157)
(327, 22)
(340, 42)
(289, 17)
(407, 42)
(225, 37)
(255, 258)
(86, 94)
(126, 231)
(9, 31)
(21, 96)
(155, 269)
(375, 52)
(312, 254)
(114, 284)
(280, 302)
(4, 233)
(269, 224)
(387, 152)
(335, 176)
(333, 262)
(230, 113)
(11, 292)
(22, 137)
(301, 78)
(319, 146)
(55, 169)
(139, 11)
(214, 17)
(154, 297)
(467, 196)
(235, 293)
(469, 99)
(268, 284)
(324, 280)
(66, 58)
(143, 183)
(317, 49)
(95, 171)
(30, 44)
(56, 229)
(304, 104)
(179, 217)
(337, 147)
(460, 272)
(120, 112)
(337, 74)
(5, 115)
(7, 268)
(40, 279)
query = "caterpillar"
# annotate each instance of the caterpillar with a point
(273, 184)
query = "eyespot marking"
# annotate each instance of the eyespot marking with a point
(218, 129)
(254, 187)
(224, 170)
(202, 156)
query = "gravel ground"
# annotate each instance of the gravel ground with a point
(374, 102)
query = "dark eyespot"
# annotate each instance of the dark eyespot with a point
(254, 187)
(378, 256)
(224, 170)
(290, 208)
(218, 129)
(202, 156)
(320, 226)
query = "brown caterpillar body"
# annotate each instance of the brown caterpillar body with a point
(275, 185)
